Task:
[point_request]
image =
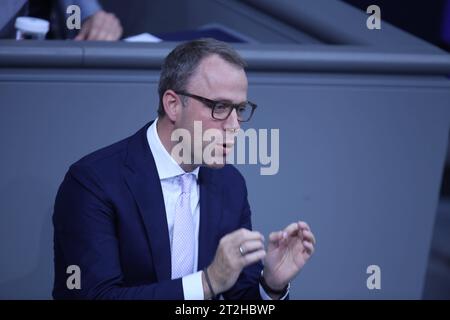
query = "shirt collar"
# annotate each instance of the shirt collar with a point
(166, 166)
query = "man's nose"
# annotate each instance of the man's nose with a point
(232, 121)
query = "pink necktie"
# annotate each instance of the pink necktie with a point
(183, 239)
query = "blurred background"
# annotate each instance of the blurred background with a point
(431, 22)
(364, 118)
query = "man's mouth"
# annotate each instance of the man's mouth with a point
(227, 146)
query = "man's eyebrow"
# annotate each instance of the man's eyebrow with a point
(226, 100)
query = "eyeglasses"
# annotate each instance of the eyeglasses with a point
(221, 110)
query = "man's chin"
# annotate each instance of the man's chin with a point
(217, 164)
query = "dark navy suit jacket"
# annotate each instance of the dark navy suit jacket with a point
(109, 219)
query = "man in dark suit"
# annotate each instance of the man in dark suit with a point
(142, 222)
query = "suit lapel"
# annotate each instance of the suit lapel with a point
(210, 216)
(144, 183)
(142, 178)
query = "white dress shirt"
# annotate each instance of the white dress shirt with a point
(168, 169)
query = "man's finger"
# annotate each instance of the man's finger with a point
(103, 35)
(107, 28)
(115, 29)
(275, 236)
(309, 236)
(110, 37)
(243, 234)
(254, 257)
(250, 246)
(92, 35)
(304, 226)
(118, 31)
(99, 20)
(95, 32)
(82, 34)
(309, 247)
(291, 229)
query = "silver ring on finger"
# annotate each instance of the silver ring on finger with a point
(241, 250)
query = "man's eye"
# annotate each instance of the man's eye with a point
(242, 109)
(220, 107)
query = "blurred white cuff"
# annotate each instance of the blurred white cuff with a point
(265, 296)
(193, 286)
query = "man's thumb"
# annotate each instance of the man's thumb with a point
(82, 35)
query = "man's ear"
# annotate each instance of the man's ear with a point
(172, 105)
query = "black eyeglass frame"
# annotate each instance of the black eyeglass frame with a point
(213, 103)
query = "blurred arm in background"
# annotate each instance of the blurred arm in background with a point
(96, 24)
